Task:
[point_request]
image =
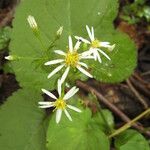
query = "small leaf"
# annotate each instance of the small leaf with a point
(104, 120)
(146, 12)
(131, 140)
(4, 37)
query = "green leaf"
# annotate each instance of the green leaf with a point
(139, 2)
(30, 70)
(146, 13)
(21, 122)
(4, 37)
(105, 120)
(78, 134)
(131, 140)
(123, 59)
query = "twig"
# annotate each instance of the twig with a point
(146, 73)
(143, 88)
(112, 107)
(102, 99)
(138, 77)
(141, 100)
(129, 124)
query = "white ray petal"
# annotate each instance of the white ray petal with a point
(49, 94)
(70, 93)
(46, 106)
(87, 57)
(104, 54)
(60, 52)
(86, 41)
(83, 64)
(74, 108)
(91, 51)
(84, 71)
(83, 40)
(89, 32)
(77, 45)
(70, 44)
(104, 44)
(64, 76)
(78, 37)
(98, 57)
(55, 70)
(45, 103)
(67, 114)
(92, 29)
(59, 87)
(58, 115)
(52, 62)
(86, 53)
(95, 55)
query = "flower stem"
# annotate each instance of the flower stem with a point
(40, 40)
(52, 44)
(102, 114)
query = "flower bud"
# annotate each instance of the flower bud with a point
(60, 30)
(10, 57)
(33, 24)
(111, 47)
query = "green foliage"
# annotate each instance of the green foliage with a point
(20, 117)
(78, 134)
(7, 68)
(22, 122)
(30, 70)
(136, 12)
(131, 140)
(4, 37)
(123, 59)
(105, 120)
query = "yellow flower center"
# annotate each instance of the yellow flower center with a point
(95, 44)
(60, 104)
(72, 59)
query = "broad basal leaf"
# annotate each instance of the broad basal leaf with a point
(73, 15)
(78, 134)
(21, 122)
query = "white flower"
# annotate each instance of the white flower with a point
(60, 103)
(59, 31)
(95, 45)
(32, 22)
(71, 59)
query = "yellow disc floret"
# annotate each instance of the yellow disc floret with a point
(95, 44)
(72, 59)
(60, 104)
